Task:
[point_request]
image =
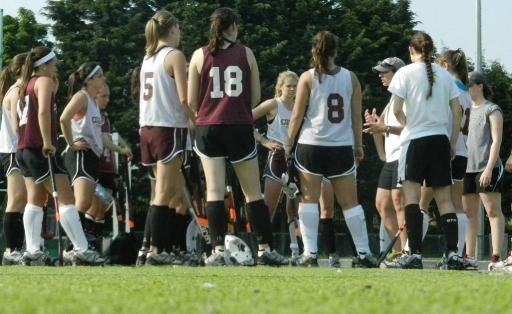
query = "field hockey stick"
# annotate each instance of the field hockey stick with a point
(201, 222)
(390, 245)
(57, 212)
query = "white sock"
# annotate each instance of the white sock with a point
(71, 224)
(426, 220)
(406, 247)
(309, 217)
(33, 223)
(384, 239)
(356, 223)
(293, 238)
(462, 220)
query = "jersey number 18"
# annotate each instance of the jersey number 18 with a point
(232, 81)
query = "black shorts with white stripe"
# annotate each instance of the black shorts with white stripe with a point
(326, 161)
(9, 163)
(35, 166)
(472, 182)
(81, 164)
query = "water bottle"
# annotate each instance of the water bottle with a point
(103, 195)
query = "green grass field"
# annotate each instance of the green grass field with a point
(250, 290)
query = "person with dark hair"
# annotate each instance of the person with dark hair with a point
(16, 191)
(484, 172)
(135, 85)
(427, 92)
(328, 105)
(224, 86)
(163, 120)
(389, 199)
(38, 124)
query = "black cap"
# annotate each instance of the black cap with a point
(476, 78)
(388, 64)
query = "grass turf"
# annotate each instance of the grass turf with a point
(249, 290)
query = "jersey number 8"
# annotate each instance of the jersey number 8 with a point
(232, 82)
(335, 112)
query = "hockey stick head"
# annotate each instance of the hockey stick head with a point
(290, 179)
(237, 251)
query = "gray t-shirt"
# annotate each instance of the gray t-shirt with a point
(479, 137)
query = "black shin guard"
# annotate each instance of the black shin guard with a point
(217, 221)
(259, 218)
(19, 231)
(414, 223)
(451, 231)
(327, 236)
(160, 227)
(146, 240)
(172, 231)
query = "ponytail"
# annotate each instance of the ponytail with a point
(156, 28)
(325, 45)
(135, 85)
(422, 42)
(77, 79)
(221, 20)
(456, 60)
(28, 68)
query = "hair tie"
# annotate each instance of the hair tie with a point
(154, 20)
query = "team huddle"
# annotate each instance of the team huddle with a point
(439, 137)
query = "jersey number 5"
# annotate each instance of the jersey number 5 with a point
(335, 112)
(232, 82)
(148, 86)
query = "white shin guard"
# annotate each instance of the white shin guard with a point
(309, 218)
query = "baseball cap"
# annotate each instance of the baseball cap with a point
(388, 64)
(476, 78)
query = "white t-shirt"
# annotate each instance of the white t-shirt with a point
(425, 116)
(159, 101)
(328, 120)
(278, 129)
(391, 142)
(88, 126)
(465, 103)
(8, 137)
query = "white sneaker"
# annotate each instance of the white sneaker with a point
(12, 258)
(504, 266)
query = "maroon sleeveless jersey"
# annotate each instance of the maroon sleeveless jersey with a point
(30, 133)
(225, 87)
(106, 164)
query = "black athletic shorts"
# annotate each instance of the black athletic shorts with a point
(161, 144)
(326, 161)
(459, 164)
(427, 159)
(388, 178)
(234, 142)
(472, 182)
(35, 166)
(9, 163)
(276, 165)
(81, 164)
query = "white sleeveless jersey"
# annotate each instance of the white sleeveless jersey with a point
(278, 129)
(159, 101)
(391, 142)
(465, 101)
(88, 126)
(328, 119)
(8, 137)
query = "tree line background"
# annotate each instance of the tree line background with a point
(279, 33)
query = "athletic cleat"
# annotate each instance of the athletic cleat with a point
(393, 255)
(469, 263)
(88, 257)
(141, 257)
(405, 261)
(216, 259)
(305, 261)
(272, 258)
(159, 259)
(452, 261)
(12, 258)
(504, 266)
(295, 252)
(334, 261)
(364, 261)
(67, 257)
(38, 258)
(190, 259)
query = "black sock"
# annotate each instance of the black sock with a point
(327, 236)
(451, 231)
(82, 220)
(88, 223)
(259, 218)
(19, 231)
(172, 231)
(98, 227)
(217, 222)
(160, 227)
(10, 230)
(414, 223)
(181, 230)
(146, 240)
